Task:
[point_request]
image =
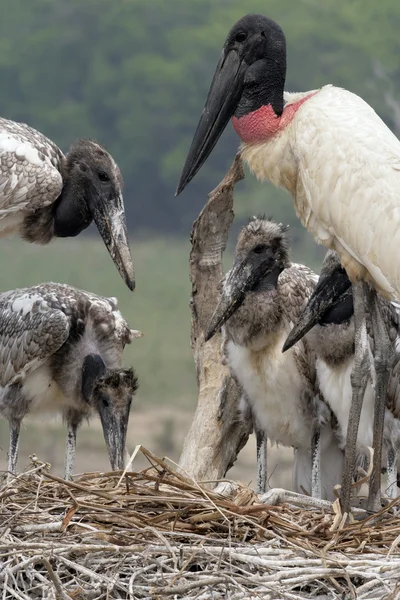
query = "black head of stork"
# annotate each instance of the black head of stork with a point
(250, 74)
(109, 392)
(331, 301)
(261, 255)
(92, 190)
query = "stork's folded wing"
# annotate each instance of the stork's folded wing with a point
(28, 338)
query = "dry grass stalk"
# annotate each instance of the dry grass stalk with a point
(156, 533)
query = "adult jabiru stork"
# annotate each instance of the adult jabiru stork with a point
(341, 164)
(44, 194)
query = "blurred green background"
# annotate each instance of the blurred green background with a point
(133, 74)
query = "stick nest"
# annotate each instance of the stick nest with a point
(156, 533)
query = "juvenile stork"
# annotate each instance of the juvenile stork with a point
(61, 351)
(341, 164)
(44, 194)
(262, 296)
(328, 321)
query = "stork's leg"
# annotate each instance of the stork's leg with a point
(70, 450)
(316, 491)
(359, 379)
(383, 360)
(15, 426)
(262, 470)
(391, 473)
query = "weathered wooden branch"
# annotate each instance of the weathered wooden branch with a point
(216, 435)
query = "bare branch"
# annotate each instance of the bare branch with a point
(216, 435)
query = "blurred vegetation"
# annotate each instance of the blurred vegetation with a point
(134, 75)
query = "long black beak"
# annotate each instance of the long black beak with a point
(223, 97)
(110, 220)
(242, 278)
(114, 431)
(329, 290)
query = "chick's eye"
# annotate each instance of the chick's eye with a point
(259, 248)
(241, 36)
(105, 402)
(103, 176)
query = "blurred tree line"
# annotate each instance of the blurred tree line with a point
(133, 74)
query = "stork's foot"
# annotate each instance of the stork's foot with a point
(279, 496)
(226, 488)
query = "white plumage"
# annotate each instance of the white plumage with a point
(30, 172)
(342, 165)
(335, 385)
(273, 384)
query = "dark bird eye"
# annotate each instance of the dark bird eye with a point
(105, 402)
(241, 36)
(259, 248)
(103, 176)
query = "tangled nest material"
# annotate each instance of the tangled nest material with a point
(158, 534)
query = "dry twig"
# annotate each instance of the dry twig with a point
(156, 533)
